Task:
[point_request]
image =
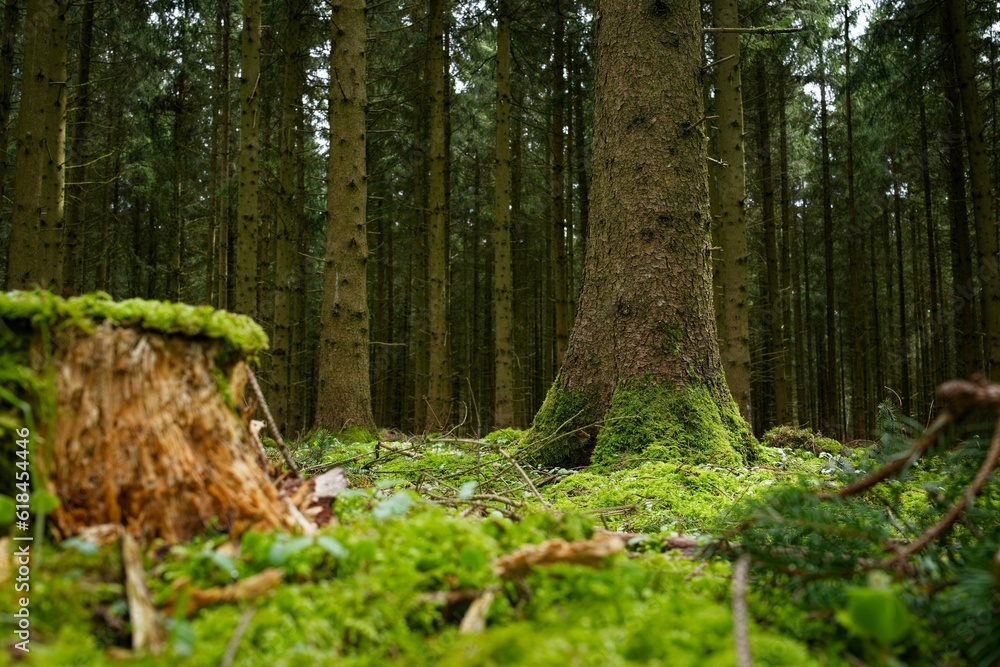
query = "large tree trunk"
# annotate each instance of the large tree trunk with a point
(344, 392)
(643, 364)
(35, 251)
(503, 321)
(729, 231)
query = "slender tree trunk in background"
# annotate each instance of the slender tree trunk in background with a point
(35, 251)
(967, 353)
(644, 339)
(956, 36)
(176, 228)
(879, 364)
(729, 233)
(344, 392)
(829, 403)
(79, 158)
(299, 362)
(938, 341)
(439, 380)
(579, 125)
(904, 347)
(858, 313)
(503, 374)
(249, 161)
(419, 334)
(225, 278)
(560, 295)
(774, 330)
(791, 361)
(8, 42)
(287, 223)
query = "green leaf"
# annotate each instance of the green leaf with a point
(6, 510)
(83, 546)
(43, 502)
(389, 483)
(876, 614)
(281, 551)
(332, 546)
(395, 505)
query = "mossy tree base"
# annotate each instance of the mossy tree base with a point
(688, 423)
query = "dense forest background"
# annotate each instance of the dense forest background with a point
(871, 150)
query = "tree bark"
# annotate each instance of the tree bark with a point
(503, 378)
(643, 362)
(731, 275)
(35, 251)
(829, 391)
(559, 277)
(249, 161)
(956, 36)
(439, 368)
(344, 393)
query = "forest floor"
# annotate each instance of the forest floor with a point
(445, 551)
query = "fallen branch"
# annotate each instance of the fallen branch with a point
(271, 424)
(147, 633)
(741, 618)
(584, 552)
(525, 477)
(237, 637)
(935, 531)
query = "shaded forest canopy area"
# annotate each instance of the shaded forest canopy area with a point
(691, 311)
(866, 251)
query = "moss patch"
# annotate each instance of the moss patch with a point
(789, 437)
(551, 440)
(687, 422)
(83, 312)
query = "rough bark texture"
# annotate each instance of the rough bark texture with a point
(503, 414)
(956, 34)
(249, 166)
(35, 251)
(439, 368)
(344, 395)
(643, 364)
(731, 276)
(287, 222)
(560, 290)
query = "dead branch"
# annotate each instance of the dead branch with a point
(272, 425)
(741, 618)
(935, 531)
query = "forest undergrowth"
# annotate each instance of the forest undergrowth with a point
(449, 551)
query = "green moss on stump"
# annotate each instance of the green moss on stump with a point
(84, 312)
(355, 434)
(685, 423)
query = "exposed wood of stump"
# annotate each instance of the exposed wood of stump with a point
(145, 438)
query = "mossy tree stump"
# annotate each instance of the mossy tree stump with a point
(144, 432)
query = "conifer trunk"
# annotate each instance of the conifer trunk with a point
(35, 250)
(503, 411)
(439, 370)
(344, 393)
(731, 267)
(249, 157)
(643, 361)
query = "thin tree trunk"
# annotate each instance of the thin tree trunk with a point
(731, 266)
(830, 407)
(560, 296)
(439, 380)
(904, 347)
(249, 161)
(8, 42)
(503, 410)
(857, 310)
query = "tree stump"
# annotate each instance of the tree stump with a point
(144, 432)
